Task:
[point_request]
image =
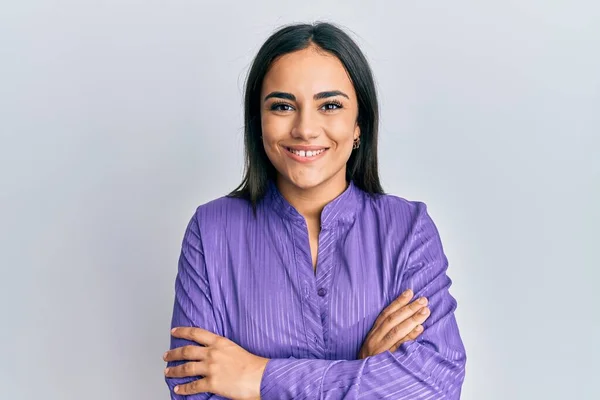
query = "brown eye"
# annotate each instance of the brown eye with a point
(332, 106)
(281, 107)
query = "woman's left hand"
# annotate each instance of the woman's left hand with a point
(227, 369)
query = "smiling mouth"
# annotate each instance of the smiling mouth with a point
(306, 153)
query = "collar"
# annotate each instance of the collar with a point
(342, 209)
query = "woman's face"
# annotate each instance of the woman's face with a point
(309, 118)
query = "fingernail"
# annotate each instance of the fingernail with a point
(421, 300)
(176, 389)
(166, 371)
(173, 330)
(165, 355)
(406, 292)
(424, 311)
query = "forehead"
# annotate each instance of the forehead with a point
(306, 72)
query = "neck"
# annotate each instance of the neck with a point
(310, 202)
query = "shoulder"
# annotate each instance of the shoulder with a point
(211, 220)
(221, 211)
(394, 208)
(404, 217)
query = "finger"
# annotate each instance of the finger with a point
(186, 370)
(397, 317)
(404, 328)
(398, 303)
(411, 336)
(195, 334)
(415, 333)
(197, 386)
(189, 353)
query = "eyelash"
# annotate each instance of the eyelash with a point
(332, 102)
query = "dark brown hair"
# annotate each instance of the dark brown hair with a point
(362, 167)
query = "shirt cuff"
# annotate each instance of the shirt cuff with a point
(292, 378)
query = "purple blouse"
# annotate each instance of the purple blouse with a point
(251, 279)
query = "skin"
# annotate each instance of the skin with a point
(307, 100)
(305, 120)
(400, 322)
(228, 369)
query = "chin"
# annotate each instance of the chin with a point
(306, 183)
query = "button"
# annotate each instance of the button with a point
(322, 292)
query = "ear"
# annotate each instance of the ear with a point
(356, 131)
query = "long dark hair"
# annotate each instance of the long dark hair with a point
(361, 168)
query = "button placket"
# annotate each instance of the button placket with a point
(325, 279)
(308, 289)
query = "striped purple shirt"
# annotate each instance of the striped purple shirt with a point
(251, 279)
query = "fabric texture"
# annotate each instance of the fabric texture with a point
(251, 279)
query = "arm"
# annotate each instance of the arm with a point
(431, 367)
(193, 303)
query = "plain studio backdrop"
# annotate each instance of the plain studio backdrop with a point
(118, 118)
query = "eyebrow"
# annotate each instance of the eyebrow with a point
(318, 96)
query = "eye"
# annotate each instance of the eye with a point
(332, 106)
(281, 107)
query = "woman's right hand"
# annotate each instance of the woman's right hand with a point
(398, 323)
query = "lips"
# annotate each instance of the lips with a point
(306, 151)
(305, 154)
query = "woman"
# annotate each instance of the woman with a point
(308, 281)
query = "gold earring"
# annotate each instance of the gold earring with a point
(356, 144)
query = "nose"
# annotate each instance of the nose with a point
(305, 126)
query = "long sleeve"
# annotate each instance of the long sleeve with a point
(432, 367)
(193, 303)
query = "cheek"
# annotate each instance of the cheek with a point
(270, 143)
(273, 130)
(342, 133)
(271, 137)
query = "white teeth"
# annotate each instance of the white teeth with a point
(309, 153)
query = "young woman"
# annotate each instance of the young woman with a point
(307, 281)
